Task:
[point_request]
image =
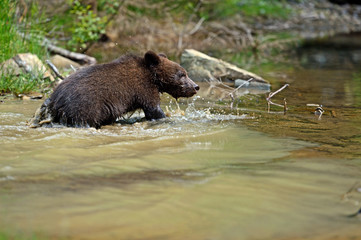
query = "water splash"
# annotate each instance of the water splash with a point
(192, 113)
(184, 119)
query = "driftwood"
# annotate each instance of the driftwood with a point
(269, 102)
(79, 57)
(201, 67)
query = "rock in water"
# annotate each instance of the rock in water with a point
(201, 67)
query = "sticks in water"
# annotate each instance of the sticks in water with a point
(271, 94)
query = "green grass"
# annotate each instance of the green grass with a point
(13, 31)
(18, 236)
(212, 10)
(265, 8)
(23, 83)
(11, 41)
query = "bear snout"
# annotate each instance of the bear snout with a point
(196, 87)
(193, 85)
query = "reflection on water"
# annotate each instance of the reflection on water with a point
(187, 177)
(201, 174)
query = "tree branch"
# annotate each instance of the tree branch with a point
(61, 51)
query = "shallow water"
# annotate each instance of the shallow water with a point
(212, 173)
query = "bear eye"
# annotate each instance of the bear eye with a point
(181, 74)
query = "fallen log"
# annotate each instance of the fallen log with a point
(203, 68)
(79, 57)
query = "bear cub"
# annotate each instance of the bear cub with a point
(98, 95)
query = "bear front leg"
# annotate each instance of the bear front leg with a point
(152, 113)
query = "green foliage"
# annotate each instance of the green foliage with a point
(83, 24)
(87, 26)
(265, 8)
(109, 7)
(213, 9)
(13, 32)
(248, 8)
(220, 9)
(23, 83)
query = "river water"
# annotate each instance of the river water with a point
(207, 173)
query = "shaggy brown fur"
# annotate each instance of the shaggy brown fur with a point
(100, 94)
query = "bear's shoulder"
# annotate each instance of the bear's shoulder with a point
(128, 58)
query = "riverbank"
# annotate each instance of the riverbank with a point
(247, 33)
(253, 35)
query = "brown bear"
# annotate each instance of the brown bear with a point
(98, 95)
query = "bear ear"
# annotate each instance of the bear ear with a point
(151, 58)
(163, 55)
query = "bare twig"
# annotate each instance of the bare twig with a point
(235, 90)
(312, 105)
(230, 91)
(22, 2)
(184, 32)
(72, 67)
(244, 84)
(274, 93)
(197, 26)
(271, 94)
(54, 69)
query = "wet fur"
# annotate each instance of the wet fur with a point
(98, 95)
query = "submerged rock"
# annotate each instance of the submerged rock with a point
(203, 68)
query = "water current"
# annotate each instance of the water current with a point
(206, 173)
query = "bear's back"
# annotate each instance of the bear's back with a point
(99, 94)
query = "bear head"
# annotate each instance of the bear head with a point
(169, 76)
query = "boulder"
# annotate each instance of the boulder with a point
(9, 67)
(201, 67)
(25, 63)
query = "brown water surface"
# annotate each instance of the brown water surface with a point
(213, 173)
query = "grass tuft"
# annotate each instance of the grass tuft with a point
(15, 25)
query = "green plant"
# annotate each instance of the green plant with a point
(87, 28)
(14, 29)
(265, 8)
(23, 83)
(109, 7)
